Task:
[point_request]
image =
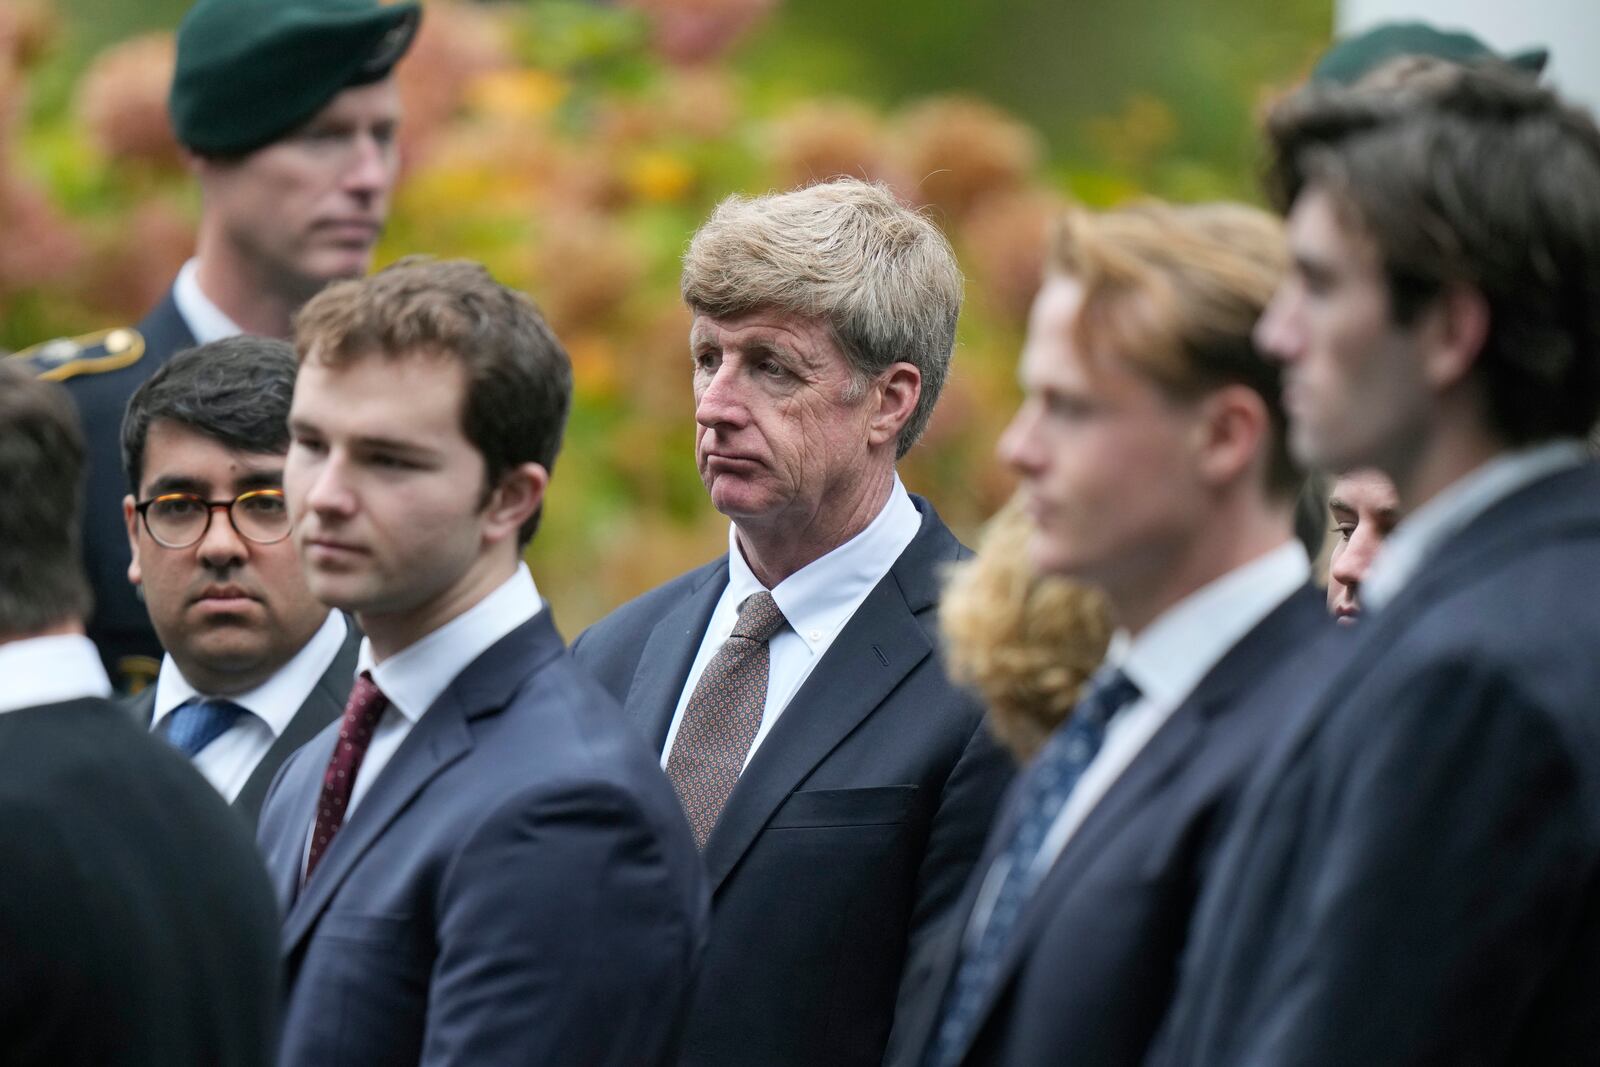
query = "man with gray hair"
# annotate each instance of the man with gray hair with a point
(838, 784)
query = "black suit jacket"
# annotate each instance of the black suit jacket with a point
(849, 835)
(1093, 960)
(323, 705)
(101, 380)
(518, 886)
(136, 923)
(1414, 878)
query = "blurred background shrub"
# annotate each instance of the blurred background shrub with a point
(574, 146)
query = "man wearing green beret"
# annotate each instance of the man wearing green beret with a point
(287, 113)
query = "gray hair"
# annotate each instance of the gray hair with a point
(848, 253)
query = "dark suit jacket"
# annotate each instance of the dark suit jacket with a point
(1414, 878)
(1094, 957)
(136, 923)
(323, 705)
(120, 626)
(518, 886)
(850, 833)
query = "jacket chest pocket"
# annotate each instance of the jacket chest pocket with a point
(882, 805)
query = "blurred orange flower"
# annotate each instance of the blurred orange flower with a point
(822, 139)
(953, 151)
(122, 102)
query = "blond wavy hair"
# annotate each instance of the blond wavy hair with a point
(1025, 642)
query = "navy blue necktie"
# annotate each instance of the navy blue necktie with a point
(194, 725)
(1041, 795)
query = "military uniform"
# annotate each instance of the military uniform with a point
(101, 371)
(248, 72)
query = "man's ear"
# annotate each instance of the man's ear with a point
(1453, 330)
(895, 393)
(516, 497)
(1232, 432)
(130, 517)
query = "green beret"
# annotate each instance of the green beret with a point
(250, 71)
(1352, 57)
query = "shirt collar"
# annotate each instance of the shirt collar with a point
(820, 597)
(205, 320)
(50, 670)
(276, 700)
(1421, 533)
(1176, 651)
(414, 677)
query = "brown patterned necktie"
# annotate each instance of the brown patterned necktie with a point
(361, 714)
(723, 716)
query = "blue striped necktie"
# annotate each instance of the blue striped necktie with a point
(1041, 794)
(195, 724)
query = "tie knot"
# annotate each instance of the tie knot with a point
(1107, 693)
(759, 617)
(194, 725)
(366, 702)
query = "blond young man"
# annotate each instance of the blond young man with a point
(1150, 446)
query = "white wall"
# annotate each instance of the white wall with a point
(1570, 29)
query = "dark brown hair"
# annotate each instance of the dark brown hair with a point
(519, 379)
(42, 582)
(1475, 177)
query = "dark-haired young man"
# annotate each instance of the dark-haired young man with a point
(254, 665)
(136, 924)
(480, 863)
(1414, 877)
(287, 113)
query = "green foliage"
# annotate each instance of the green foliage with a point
(573, 148)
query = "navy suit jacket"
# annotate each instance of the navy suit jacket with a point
(120, 627)
(518, 886)
(136, 923)
(1093, 960)
(1414, 877)
(322, 705)
(851, 832)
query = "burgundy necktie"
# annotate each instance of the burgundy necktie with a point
(361, 715)
(723, 716)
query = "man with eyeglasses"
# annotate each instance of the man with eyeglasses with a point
(254, 664)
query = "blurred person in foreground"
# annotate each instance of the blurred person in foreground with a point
(287, 114)
(1414, 877)
(1152, 453)
(136, 923)
(838, 783)
(479, 863)
(1025, 641)
(255, 664)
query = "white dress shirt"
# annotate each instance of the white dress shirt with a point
(205, 320)
(816, 600)
(50, 670)
(1421, 533)
(1165, 662)
(414, 677)
(230, 760)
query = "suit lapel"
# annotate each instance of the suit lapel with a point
(440, 738)
(323, 704)
(874, 652)
(1179, 741)
(142, 707)
(283, 838)
(667, 656)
